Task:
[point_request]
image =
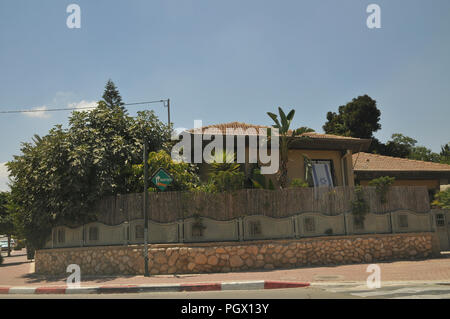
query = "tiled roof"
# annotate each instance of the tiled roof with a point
(238, 128)
(374, 162)
(241, 129)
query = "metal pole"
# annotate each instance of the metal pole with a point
(168, 112)
(146, 274)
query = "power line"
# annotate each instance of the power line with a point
(76, 108)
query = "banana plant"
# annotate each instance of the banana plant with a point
(283, 124)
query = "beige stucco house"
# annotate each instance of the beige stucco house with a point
(331, 152)
(406, 172)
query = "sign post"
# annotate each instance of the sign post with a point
(146, 274)
(162, 180)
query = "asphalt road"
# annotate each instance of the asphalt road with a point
(337, 291)
(292, 293)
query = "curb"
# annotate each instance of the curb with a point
(66, 290)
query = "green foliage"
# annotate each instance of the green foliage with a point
(225, 174)
(223, 181)
(405, 147)
(58, 178)
(298, 182)
(111, 96)
(399, 146)
(421, 153)
(442, 199)
(358, 118)
(359, 206)
(260, 181)
(382, 185)
(283, 124)
(184, 175)
(445, 154)
(6, 215)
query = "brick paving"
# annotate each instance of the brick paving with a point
(17, 271)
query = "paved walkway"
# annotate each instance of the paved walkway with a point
(17, 271)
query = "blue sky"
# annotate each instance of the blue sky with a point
(222, 61)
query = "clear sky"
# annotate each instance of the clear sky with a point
(227, 60)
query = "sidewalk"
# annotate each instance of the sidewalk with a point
(16, 271)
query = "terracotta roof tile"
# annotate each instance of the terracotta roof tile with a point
(374, 162)
(241, 129)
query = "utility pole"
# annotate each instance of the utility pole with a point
(168, 112)
(146, 274)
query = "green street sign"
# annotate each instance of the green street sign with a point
(162, 179)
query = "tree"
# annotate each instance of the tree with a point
(421, 153)
(6, 218)
(225, 174)
(358, 118)
(58, 178)
(111, 96)
(445, 154)
(399, 146)
(286, 136)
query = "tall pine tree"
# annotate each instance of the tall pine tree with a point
(111, 96)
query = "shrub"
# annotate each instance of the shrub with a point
(442, 199)
(225, 174)
(1, 259)
(359, 206)
(227, 180)
(260, 181)
(382, 185)
(184, 174)
(298, 182)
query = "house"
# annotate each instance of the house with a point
(329, 154)
(406, 172)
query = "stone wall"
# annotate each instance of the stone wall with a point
(227, 256)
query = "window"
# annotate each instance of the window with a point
(255, 228)
(309, 225)
(61, 236)
(93, 233)
(139, 232)
(403, 221)
(440, 220)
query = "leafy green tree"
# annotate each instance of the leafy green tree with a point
(286, 137)
(59, 177)
(445, 154)
(6, 218)
(111, 96)
(421, 153)
(225, 174)
(382, 185)
(399, 146)
(358, 118)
